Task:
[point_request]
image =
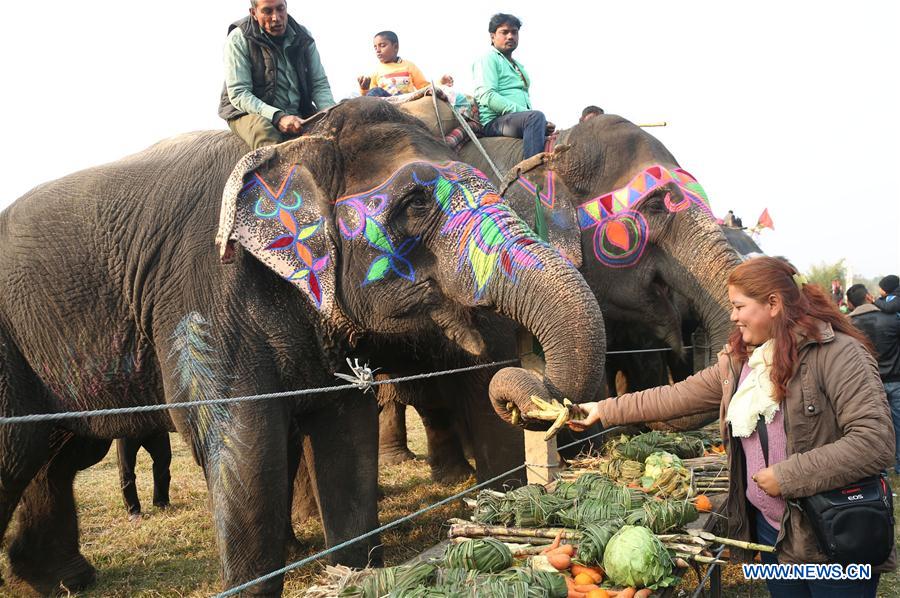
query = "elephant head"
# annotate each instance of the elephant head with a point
(385, 234)
(616, 204)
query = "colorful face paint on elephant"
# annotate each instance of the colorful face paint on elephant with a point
(280, 207)
(487, 235)
(358, 216)
(620, 231)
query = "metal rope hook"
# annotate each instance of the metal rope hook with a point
(362, 378)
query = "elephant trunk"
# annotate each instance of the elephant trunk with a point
(556, 305)
(700, 270)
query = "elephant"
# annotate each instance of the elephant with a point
(194, 271)
(617, 205)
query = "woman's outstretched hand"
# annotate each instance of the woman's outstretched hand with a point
(591, 415)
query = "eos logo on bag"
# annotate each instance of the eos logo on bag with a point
(855, 497)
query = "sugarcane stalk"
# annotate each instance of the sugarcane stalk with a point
(700, 558)
(729, 542)
(682, 538)
(459, 527)
(679, 547)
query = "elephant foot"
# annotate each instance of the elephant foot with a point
(451, 473)
(394, 457)
(47, 577)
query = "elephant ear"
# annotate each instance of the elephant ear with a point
(540, 197)
(273, 207)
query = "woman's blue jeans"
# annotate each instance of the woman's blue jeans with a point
(798, 588)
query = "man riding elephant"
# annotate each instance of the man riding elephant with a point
(273, 76)
(501, 90)
(114, 294)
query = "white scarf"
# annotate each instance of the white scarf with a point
(756, 395)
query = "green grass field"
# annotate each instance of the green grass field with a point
(172, 552)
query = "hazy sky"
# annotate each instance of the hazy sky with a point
(792, 106)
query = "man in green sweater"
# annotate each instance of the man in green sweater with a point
(501, 90)
(273, 76)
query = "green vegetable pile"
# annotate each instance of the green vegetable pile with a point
(635, 557)
(638, 448)
(435, 582)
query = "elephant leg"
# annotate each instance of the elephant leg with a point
(126, 451)
(160, 449)
(44, 552)
(445, 452)
(392, 447)
(24, 448)
(341, 451)
(497, 446)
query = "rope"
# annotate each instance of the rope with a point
(363, 381)
(237, 589)
(43, 417)
(437, 113)
(645, 350)
(471, 134)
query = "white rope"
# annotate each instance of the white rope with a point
(362, 380)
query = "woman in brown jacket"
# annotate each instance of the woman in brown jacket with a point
(795, 360)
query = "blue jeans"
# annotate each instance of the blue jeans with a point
(530, 126)
(377, 92)
(893, 396)
(799, 588)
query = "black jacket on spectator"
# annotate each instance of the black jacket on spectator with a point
(889, 304)
(883, 329)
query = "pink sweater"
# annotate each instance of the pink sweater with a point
(772, 507)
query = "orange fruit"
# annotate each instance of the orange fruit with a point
(583, 579)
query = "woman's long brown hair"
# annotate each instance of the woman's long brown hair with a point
(762, 277)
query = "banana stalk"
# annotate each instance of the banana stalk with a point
(553, 411)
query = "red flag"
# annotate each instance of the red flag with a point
(765, 221)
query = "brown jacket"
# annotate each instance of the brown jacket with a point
(836, 419)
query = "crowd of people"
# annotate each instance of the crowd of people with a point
(809, 398)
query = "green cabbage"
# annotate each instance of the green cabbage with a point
(635, 557)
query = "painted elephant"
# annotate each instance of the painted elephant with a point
(614, 201)
(113, 294)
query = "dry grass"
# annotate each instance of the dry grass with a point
(172, 552)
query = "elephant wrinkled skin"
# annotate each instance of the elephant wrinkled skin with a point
(113, 294)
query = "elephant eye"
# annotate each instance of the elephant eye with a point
(418, 201)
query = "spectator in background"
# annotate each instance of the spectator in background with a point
(883, 330)
(589, 113)
(889, 302)
(161, 452)
(837, 292)
(394, 75)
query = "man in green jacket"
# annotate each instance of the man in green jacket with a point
(501, 90)
(273, 76)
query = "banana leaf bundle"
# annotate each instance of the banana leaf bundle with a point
(594, 539)
(538, 511)
(639, 447)
(588, 511)
(488, 508)
(391, 579)
(662, 515)
(622, 469)
(484, 554)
